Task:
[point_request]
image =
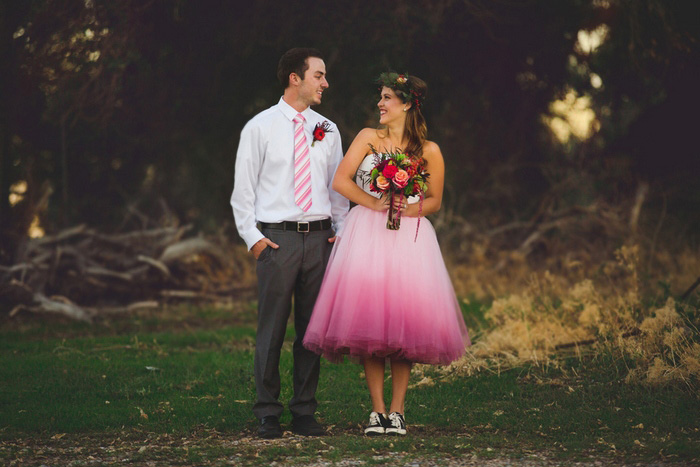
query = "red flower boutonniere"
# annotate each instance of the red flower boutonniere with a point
(320, 131)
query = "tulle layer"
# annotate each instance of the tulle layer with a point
(385, 295)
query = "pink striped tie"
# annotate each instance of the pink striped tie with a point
(302, 166)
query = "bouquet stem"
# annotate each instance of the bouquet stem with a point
(393, 221)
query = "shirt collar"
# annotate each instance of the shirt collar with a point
(290, 112)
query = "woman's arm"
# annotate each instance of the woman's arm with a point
(343, 181)
(435, 166)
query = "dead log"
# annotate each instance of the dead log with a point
(60, 237)
(113, 310)
(26, 299)
(100, 271)
(187, 248)
(687, 293)
(155, 263)
(61, 307)
(94, 268)
(631, 333)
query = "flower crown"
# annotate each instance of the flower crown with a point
(402, 86)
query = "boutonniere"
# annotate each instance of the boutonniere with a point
(320, 131)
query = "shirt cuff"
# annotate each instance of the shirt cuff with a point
(251, 237)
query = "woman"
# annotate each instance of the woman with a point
(386, 294)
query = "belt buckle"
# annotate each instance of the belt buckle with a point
(300, 225)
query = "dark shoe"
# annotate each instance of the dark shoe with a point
(378, 423)
(306, 425)
(398, 424)
(270, 427)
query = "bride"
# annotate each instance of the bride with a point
(386, 294)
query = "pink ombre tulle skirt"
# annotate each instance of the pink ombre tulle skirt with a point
(385, 295)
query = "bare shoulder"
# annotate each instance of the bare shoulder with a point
(431, 151)
(373, 135)
(366, 134)
(368, 137)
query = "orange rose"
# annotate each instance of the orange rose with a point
(401, 178)
(382, 182)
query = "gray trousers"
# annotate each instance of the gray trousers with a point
(296, 270)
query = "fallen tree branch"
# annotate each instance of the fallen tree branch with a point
(121, 270)
(687, 293)
(633, 332)
(60, 307)
(188, 248)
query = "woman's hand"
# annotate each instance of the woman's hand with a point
(380, 204)
(401, 204)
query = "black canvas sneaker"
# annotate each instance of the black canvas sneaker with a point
(397, 424)
(377, 424)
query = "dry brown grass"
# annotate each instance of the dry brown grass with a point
(586, 308)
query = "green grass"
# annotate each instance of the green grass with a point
(188, 373)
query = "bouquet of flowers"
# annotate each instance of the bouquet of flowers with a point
(398, 176)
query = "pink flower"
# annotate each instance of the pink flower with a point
(401, 178)
(382, 183)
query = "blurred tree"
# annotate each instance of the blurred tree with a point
(12, 16)
(130, 112)
(647, 100)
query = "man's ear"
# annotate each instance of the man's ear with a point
(294, 79)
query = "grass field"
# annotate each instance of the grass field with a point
(175, 387)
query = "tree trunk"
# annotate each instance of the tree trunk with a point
(6, 78)
(12, 16)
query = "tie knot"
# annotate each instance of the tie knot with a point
(299, 118)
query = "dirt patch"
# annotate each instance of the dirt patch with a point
(208, 448)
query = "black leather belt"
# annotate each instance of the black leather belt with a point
(312, 226)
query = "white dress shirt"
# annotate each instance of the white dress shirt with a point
(263, 189)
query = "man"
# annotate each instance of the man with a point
(284, 173)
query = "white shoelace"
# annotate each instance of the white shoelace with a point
(396, 419)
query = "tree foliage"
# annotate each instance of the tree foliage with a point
(115, 113)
